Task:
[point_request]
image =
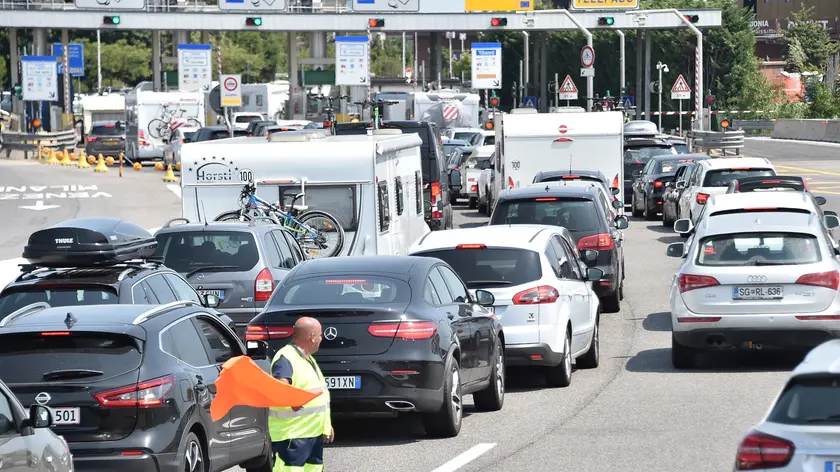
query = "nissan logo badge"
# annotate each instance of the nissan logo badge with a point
(330, 333)
(757, 278)
(42, 398)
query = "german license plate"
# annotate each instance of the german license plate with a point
(217, 293)
(66, 416)
(758, 293)
(832, 466)
(349, 382)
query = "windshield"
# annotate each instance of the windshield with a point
(465, 135)
(643, 155)
(343, 290)
(186, 251)
(225, 134)
(682, 148)
(752, 249)
(723, 177)
(247, 118)
(574, 214)
(56, 296)
(107, 130)
(491, 267)
(337, 200)
(809, 400)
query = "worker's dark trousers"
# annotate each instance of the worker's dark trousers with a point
(299, 455)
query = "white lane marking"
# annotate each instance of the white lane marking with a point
(466, 457)
(794, 141)
(176, 189)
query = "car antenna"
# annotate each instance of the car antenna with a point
(203, 210)
(70, 320)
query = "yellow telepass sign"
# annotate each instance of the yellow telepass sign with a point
(499, 5)
(605, 4)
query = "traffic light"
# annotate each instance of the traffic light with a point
(498, 22)
(692, 18)
(253, 21)
(376, 23)
(18, 91)
(606, 21)
(111, 20)
(494, 102)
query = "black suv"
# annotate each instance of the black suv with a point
(637, 153)
(435, 174)
(131, 386)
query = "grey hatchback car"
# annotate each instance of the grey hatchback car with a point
(27, 444)
(106, 138)
(240, 263)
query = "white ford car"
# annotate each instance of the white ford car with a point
(543, 291)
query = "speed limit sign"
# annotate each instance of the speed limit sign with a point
(587, 56)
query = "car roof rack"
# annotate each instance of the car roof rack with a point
(159, 310)
(263, 220)
(27, 310)
(169, 223)
(32, 270)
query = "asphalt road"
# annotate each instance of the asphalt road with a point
(634, 412)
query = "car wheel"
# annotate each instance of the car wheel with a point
(446, 423)
(592, 358)
(612, 303)
(561, 374)
(192, 459)
(649, 215)
(492, 398)
(665, 221)
(482, 205)
(682, 357)
(633, 208)
(473, 203)
(621, 290)
(453, 200)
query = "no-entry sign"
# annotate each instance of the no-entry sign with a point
(231, 90)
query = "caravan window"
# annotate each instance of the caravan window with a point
(384, 210)
(418, 191)
(398, 189)
(337, 200)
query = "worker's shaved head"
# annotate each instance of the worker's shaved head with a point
(307, 335)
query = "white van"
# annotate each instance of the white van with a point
(527, 143)
(371, 184)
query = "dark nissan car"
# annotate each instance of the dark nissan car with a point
(586, 214)
(637, 153)
(656, 176)
(106, 138)
(401, 334)
(131, 386)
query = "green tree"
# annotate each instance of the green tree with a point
(795, 56)
(808, 45)
(825, 102)
(3, 79)
(386, 57)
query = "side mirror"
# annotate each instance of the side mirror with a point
(820, 200)
(615, 190)
(675, 250)
(831, 221)
(256, 349)
(621, 222)
(683, 226)
(589, 256)
(210, 301)
(427, 209)
(593, 274)
(617, 204)
(40, 416)
(484, 298)
(680, 185)
(455, 179)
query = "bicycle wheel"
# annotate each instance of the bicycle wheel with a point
(235, 215)
(193, 123)
(329, 238)
(155, 127)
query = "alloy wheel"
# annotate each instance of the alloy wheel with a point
(500, 374)
(455, 400)
(194, 460)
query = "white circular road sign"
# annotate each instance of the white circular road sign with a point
(231, 84)
(587, 56)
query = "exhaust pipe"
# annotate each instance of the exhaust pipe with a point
(400, 405)
(757, 346)
(715, 341)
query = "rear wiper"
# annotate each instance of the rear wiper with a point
(201, 269)
(488, 282)
(767, 263)
(823, 419)
(71, 374)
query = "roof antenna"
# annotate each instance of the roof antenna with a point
(203, 210)
(69, 321)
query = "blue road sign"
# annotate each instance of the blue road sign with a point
(628, 101)
(530, 102)
(77, 58)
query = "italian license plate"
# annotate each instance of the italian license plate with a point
(218, 293)
(349, 382)
(757, 293)
(65, 416)
(832, 466)
(110, 143)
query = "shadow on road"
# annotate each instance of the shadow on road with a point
(659, 360)
(657, 322)
(670, 239)
(476, 224)
(659, 228)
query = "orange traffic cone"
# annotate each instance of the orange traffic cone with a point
(100, 165)
(169, 176)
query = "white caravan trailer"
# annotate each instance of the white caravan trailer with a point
(371, 184)
(144, 106)
(527, 143)
(109, 107)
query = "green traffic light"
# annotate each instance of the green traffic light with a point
(610, 21)
(257, 21)
(115, 20)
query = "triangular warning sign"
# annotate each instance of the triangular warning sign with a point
(568, 86)
(681, 86)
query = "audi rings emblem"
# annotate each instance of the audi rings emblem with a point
(330, 333)
(42, 398)
(757, 278)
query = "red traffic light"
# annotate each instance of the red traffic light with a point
(692, 18)
(376, 23)
(498, 22)
(494, 102)
(710, 100)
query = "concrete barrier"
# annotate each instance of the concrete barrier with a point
(808, 130)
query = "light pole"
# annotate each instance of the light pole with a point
(660, 67)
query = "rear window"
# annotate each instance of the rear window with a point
(15, 300)
(643, 155)
(189, 136)
(491, 267)
(247, 118)
(225, 251)
(574, 214)
(670, 166)
(224, 134)
(757, 249)
(343, 290)
(682, 148)
(561, 178)
(723, 177)
(337, 200)
(107, 130)
(465, 136)
(97, 355)
(809, 401)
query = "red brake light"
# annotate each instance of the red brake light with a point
(763, 451)
(771, 181)
(563, 140)
(536, 296)
(435, 189)
(344, 281)
(761, 209)
(741, 168)
(657, 184)
(263, 286)
(91, 140)
(110, 125)
(821, 279)
(693, 282)
(150, 393)
(702, 198)
(570, 177)
(471, 246)
(256, 333)
(546, 199)
(56, 333)
(264, 333)
(601, 241)
(410, 330)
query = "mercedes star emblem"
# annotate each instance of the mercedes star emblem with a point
(330, 333)
(42, 398)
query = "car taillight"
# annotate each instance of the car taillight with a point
(410, 330)
(601, 241)
(821, 279)
(702, 198)
(435, 191)
(474, 188)
(693, 282)
(536, 296)
(657, 184)
(263, 286)
(91, 140)
(763, 451)
(615, 181)
(264, 333)
(150, 393)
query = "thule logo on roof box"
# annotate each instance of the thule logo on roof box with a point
(64, 240)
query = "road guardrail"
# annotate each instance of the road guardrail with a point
(717, 140)
(754, 125)
(35, 143)
(808, 130)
